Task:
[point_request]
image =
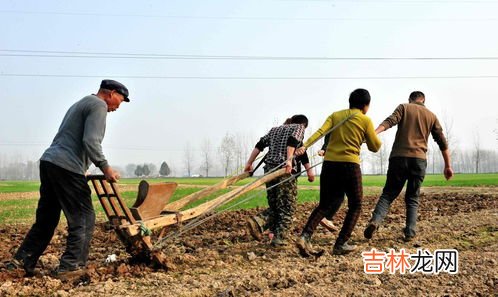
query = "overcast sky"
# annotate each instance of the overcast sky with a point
(200, 69)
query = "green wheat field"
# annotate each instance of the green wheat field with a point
(18, 199)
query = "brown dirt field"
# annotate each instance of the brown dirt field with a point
(219, 258)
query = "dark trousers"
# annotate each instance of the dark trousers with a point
(401, 170)
(63, 190)
(337, 179)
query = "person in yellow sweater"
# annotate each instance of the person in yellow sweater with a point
(341, 172)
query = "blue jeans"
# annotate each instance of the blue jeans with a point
(401, 170)
(67, 191)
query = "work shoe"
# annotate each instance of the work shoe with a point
(327, 224)
(304, 245)
(255, 228)
(19, 264)
(342, 249)
(370, 230)
(409, 235)
(278, 241)
(408, 238)
(79, 275)
(305, 248)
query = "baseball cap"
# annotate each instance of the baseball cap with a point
(113, 85)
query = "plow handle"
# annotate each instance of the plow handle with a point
(97, 177)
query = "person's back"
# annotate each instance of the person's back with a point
(77, 143)
(277, 140)
(415, 123)
(345, 141)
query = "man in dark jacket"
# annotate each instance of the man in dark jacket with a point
(64, 186)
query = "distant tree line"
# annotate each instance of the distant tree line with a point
(18, 170)
(229, 157)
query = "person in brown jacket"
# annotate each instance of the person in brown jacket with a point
(408, 161)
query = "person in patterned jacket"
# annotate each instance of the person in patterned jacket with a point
(282, 142)
(258, 224)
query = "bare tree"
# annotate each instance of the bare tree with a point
(130, 170)
(174, 169)
(432, 156)
(313, 150)
(242, 146)
(363, 160)
(489, 161)
(239, 155)
(477, 151)
(311, 154)
(495, 130)
(188, 159)
(206, 157)
(450, 136)
(152, 169)
(30, 173)
(15, 169)
(227, 152)
(383, 155)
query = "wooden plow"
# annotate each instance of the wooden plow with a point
(153, 211)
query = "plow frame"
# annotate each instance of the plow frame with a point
(152, 210)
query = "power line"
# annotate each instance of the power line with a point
(113, 55)
(398, 1)
(254, 77)
(23, 143)
(128, 148)
(254, 18)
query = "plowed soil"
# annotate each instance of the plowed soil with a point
(218, 258)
